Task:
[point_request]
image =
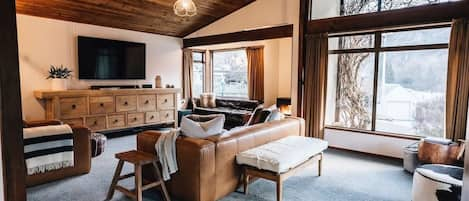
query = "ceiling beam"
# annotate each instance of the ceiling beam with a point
(249, 35)
(436, 13)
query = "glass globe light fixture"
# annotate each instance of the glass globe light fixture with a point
(185, 8)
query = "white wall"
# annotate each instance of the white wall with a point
(380, 145)
(43, 42)
(277, 65)
(260, 14)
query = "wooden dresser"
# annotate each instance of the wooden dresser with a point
(102, 110)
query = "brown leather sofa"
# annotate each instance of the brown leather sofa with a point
(82, 155)
(207, 167)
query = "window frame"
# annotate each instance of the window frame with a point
(212, 71)
(204, 63)
(376, 50)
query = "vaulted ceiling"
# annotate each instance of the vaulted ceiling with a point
(152, 16)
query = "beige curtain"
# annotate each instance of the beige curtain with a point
(315, 84)
(256, 72)
(187, 73)
(458, 81)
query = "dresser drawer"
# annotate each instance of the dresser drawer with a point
(102, 104)
(165, 101)
(73, 107)
(167, 115)
(126, 103)
(146, 103)
(96, 123)
(152, 117)
(116, 121)
(73, 122)
(134, 119)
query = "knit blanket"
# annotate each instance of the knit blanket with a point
(48, 148)
(166, 149)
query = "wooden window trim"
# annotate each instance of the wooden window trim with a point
(377, 49)
(212, 71)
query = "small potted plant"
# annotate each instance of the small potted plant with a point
(59, 77)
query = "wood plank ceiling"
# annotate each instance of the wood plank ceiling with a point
(151, 16)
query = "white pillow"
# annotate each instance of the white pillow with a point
(202, 129)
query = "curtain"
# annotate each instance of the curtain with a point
(457, 93)
(187, 73)
(315, 81)
(255, 57)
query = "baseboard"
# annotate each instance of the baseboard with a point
(366, 153)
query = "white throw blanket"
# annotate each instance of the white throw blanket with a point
(48, 148)
(166, 149)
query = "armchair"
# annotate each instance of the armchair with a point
(82, 155)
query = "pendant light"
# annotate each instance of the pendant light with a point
(185, 8)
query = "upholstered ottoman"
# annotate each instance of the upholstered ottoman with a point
(98, 143)
(278, 160)
(437, 183)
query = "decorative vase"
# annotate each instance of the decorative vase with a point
(59, 84)
(158, 83)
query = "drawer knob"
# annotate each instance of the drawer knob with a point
(102, 104)
(74, 106)
(165, 100)
(126, 103)
(115, 121)
(167, 114)
(95, 123)
(152, 117)
(147, 102)
(135, 118)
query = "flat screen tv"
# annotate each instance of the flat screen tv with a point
(110, 59)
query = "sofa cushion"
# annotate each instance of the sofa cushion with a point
(281, 155)
(207, 100)
(259, 116)
(202, 126)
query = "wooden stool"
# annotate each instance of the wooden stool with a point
(138, 159)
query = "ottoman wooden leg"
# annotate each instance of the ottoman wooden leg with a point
(320, 164)
(245, 182)
(279, 189)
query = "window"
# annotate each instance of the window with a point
(198, 67)
(321, 9)
(230, 75)
(392, 81)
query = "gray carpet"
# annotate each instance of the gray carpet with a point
(346, 176)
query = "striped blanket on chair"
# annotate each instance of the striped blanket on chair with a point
(48, 148)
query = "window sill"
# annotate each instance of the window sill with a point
(377, 133)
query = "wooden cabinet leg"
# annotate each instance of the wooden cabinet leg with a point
(138, 182)
(115, 179)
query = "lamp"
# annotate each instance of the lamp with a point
(284, 105)
(185, 8)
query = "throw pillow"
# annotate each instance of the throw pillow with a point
(207, 100)
(199, 126)
(259, 116)
(276, 114)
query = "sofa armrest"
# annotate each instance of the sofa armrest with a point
(196, 164)
(82, 149)
(30, 124)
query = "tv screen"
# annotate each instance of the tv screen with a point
(110, 59)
